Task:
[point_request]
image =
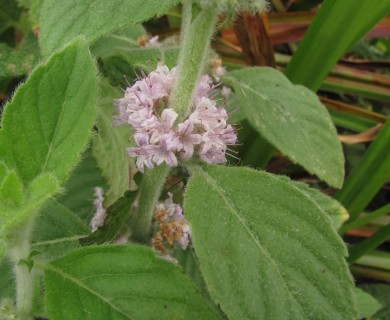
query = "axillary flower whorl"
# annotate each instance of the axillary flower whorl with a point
(204, 133)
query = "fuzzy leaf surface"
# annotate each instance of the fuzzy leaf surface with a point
(337, 213)
(32, 199)
(64, 21)
(292, 119)
(120, 282)
(265, 249)
(48, 122)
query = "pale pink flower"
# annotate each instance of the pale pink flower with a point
(100, 213)
(204, 132)
(187, 140)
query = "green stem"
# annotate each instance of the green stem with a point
(20, 250)
(186, 19)
(192, 58)
(193, 55)
(149, 192)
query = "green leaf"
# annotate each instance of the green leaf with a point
(116, 217)
(366, 304)
(292, 119)
(64, 21)
(380, 292)
(58, 231)
(265, 249)
(11, 192)
(147, 58)
(109, 147)
(40, 190)
(331, 33)
(48, 122)
(35, 11)
(118, 42)
(120, 282)
(80, 188)
(328, 205)
(64, 220)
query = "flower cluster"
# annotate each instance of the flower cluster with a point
(173, 225)
(204, 133)
(100, 213)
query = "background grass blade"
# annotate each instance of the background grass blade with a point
(346, 21)
(368, 177)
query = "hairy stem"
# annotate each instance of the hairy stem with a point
(186, 19)
(19, 250)
(195, 38)
(192, 59)
(149, 192)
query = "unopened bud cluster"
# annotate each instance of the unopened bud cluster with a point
(173, 226)
(204, 133)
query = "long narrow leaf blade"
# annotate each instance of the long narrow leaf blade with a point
(340, 23)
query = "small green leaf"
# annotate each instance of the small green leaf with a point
(380, 292)
(29, 263)
(116, 217)
(109, 147)
(265, 249)
(366, 304)
(64, 21)
(118, 42)
(40, 190)
(48, 122)
(120, 282)
(147, 58)
(11, 192)
(292, 119)
(35, 12)
(41, 187)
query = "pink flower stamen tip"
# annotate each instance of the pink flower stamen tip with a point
(204, 133)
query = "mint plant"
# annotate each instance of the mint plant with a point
(130, 205)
